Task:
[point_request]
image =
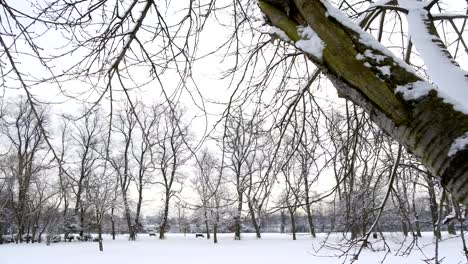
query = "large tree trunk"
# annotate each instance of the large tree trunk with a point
(237, 217)
(293, 222)
(307, 207)
(415, 212)
(128, 217)
(1, 233)
(254, 221)
(433, 205)
(113, 223)
(215, 228)
(101, 246)
(448, 210)
(82, 211)
(427, 127)
(215, 233)
(207, 226)
(163, 225)
(138, 225)
(24, 179)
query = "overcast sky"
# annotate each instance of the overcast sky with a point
(207, 73)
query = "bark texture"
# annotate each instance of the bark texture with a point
(427, 126)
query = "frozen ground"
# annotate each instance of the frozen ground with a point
(271, 249)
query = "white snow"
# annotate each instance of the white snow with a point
(385, 70)
(271, 249)
(414, 91)
(412, 5)
(452, 15)
(310, 43)
(364, 37)
(458, 144)
(278, 32)
(376, 57)
(450, 79)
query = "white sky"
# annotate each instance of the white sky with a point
(207, 73)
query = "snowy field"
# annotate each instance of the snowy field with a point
(271, 249)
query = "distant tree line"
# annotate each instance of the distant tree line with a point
(338, 173)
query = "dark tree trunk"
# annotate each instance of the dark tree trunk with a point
(451, 228)
(418, 227)
(283, 221)
(138, 225)
(82, 221)
(1, 233)
(215, 233)
(307, 202)
(404, 227)
(207, 228)
(354, 230)
(254, 221)
(293, 223)
(448, 210)
(113, 224)
(416, 215)
(237, 218)
(433, 205)
(101, 246)
(163, 225)
(128, 217)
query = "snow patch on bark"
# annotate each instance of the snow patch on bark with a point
(385, 70)
(414, 91)
(376, 57)
(458, 144)
(310, 43)
(364, 37)
(278, 32)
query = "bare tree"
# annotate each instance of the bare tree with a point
(87, 136)
(173, 137)
(142, 152)
(101, 195)
(205, 186)
(240, 138)
(25, 136)
(125, 127)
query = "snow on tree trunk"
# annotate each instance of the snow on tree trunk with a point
(444, 71)
(397, 99)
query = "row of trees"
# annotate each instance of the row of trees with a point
(337, 169)
(101, 164)
(270, 154)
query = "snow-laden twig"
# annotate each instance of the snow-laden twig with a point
(444, 71)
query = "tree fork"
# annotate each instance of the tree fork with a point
(427, 126)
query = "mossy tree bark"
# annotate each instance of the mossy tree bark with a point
(427, 127)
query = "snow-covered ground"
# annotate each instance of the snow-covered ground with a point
(271, 249)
